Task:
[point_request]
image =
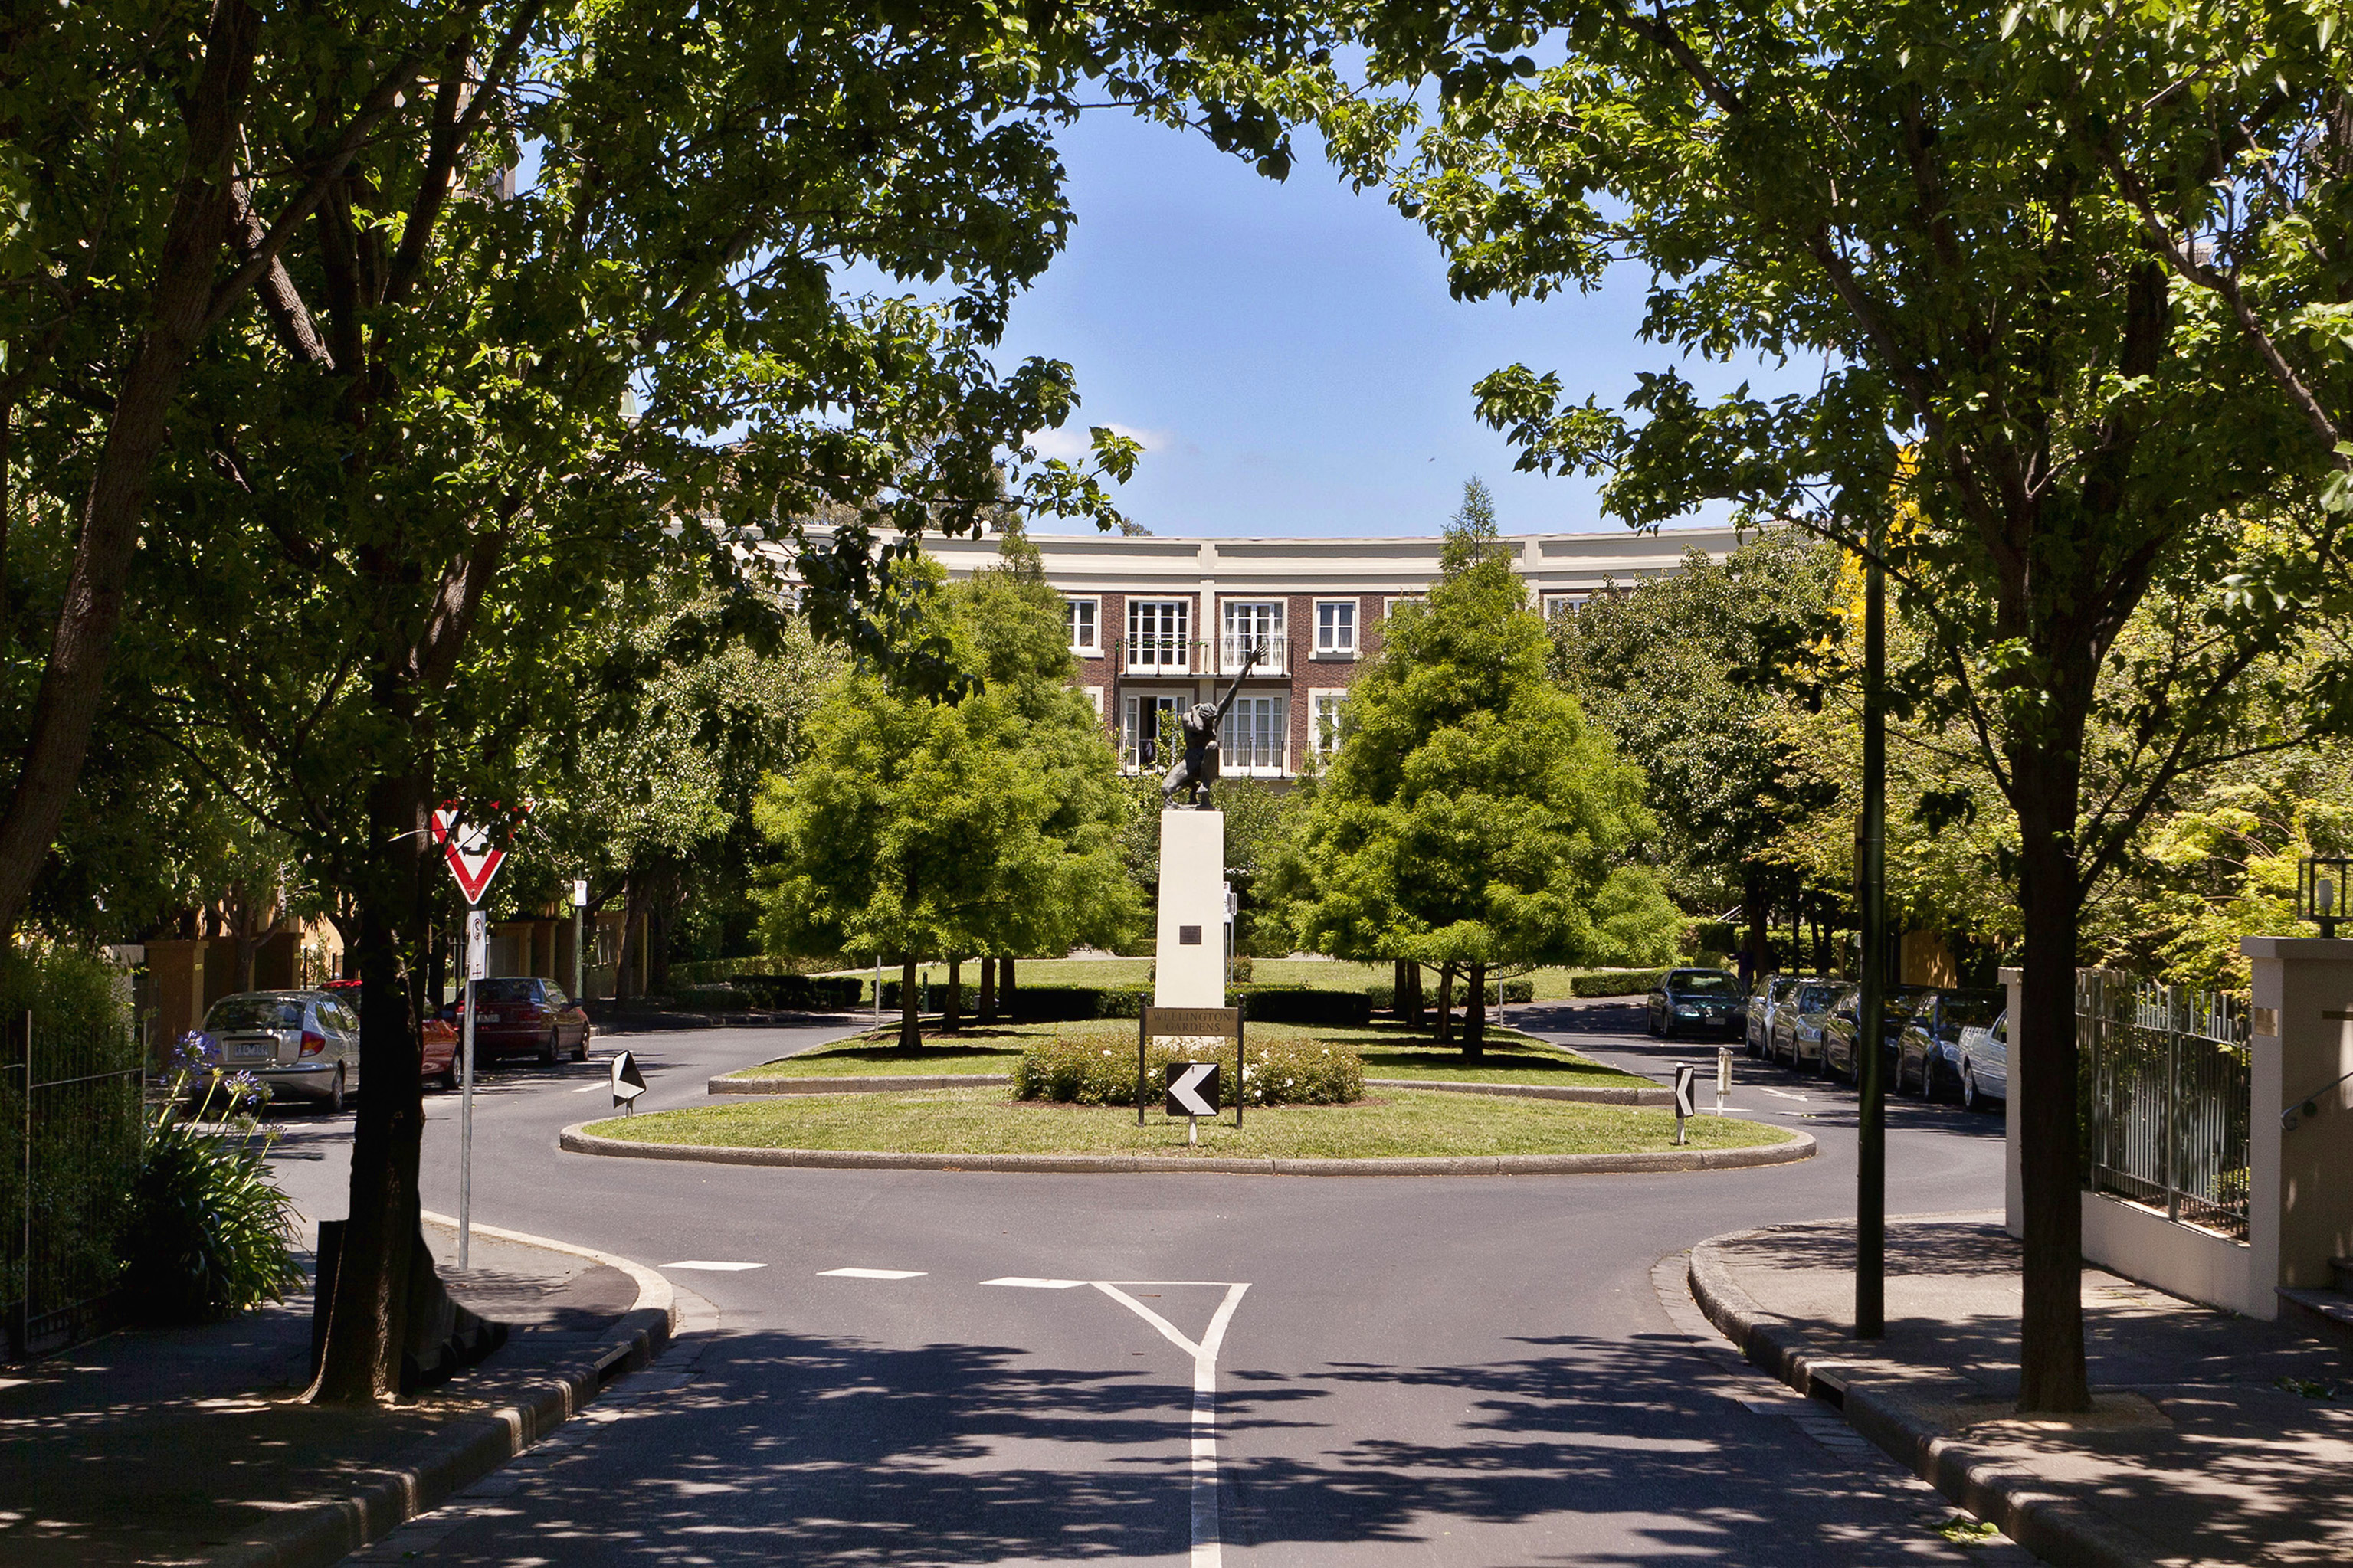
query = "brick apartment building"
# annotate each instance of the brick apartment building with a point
(1159, 623)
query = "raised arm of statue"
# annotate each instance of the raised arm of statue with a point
(1228, 699)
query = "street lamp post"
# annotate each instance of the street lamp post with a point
(1871, 1121)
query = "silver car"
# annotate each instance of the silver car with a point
(1772, 993)
(1985, 1064)
(302, 1043)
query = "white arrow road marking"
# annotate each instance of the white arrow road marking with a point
(1207, 1551)
(1181, 1092)
(870, 1274)
(1020, 1283)
(709, 1265)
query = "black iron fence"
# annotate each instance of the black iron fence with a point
(71, 1121)
(2167, 1097)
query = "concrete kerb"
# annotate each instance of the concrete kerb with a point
(315, 1535)
(1577, 1094)
(578, 1139)
(2052, 1525)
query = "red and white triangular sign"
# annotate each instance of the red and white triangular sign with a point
(467, 849)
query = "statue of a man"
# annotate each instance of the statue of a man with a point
(1198, 770)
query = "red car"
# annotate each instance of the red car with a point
(437, 1036)
(519, 1014)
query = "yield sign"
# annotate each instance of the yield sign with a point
(1192, 1088)
(471, 858)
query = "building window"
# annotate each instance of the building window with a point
(1159, 634)
(1252, 740)
(1558, 604)
(1324, 713)
(1253, 624)
(1095, 696)
(1389, 607)
(1081, 619)
(1140, 729)
(1335, 626)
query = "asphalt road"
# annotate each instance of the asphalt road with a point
(1448, 1371)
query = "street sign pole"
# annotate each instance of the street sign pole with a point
(579, 909)
(1871, 1121)
(477, 942)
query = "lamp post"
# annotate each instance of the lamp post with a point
(1871, 1120)
(2320, 883)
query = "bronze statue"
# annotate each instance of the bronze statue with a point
(1200, 768)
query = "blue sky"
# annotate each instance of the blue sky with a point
(1289, 353)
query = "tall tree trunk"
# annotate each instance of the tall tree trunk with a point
(366, 1324)
(73, 681)
(987, 991)
(1445, 1003)
(1755, 901)
(2043, 1071)
(1005, 989)
(911, 1028)
(626, 950)
(1474, 1015)
(1417, 1005)
(951, 1011)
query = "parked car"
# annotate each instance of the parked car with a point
(1772, 993)
(1928, 1053)
(1985, 1064)
(519, 1015)
(1797, 1023)
(1698, 999)
(302, 1043)
(437, 1038)
(1840, 1055)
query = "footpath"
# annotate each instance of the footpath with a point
(2216, 1438)
(187, 1446)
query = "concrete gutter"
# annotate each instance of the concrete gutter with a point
(1647, 1095)
(578, 1139)
(316, 1533)
(2021, 1504)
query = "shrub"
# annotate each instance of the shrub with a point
(1302, 1005)
(1099, 1069)
(1619, 982)
(932, 997)
(801, 993)
(1383, 998)
(1045, 1004)
(210, 1233)
(710, 971)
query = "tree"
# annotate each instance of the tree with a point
(1471, 817)
(1903, 191)
(919, 826)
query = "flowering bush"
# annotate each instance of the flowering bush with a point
(1100, 1069)
(211, 1233)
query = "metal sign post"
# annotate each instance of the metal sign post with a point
(1686, 1098)
(1723, 1077)
(579, 909)
(477, 943)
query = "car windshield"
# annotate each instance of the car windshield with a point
(233, 1013)
(502, 990)
(1816, 998)
(1702, 982)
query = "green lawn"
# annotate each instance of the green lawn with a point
(1389, 1050)
(1319, 974)
(986, 1121)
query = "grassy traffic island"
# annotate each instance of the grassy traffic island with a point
(1386, 1050)
(1385, 1124)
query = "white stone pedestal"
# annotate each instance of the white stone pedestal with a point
(1190, 960)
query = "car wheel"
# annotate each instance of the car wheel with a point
(1971, 1099)
(550, 1053)
(1666, 1028)
(335, 1094)
(449, 1079)
(580, 1047)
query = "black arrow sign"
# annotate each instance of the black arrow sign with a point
(627, 1081)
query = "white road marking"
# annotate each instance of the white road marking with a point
(870, 1274)
(1019, 1283)
(592, 1088)
(1782, 1094)
(1207, 1550)
(709, 1266)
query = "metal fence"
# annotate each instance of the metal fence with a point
(2166, 1098)
(71, 1112)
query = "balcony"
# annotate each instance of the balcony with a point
(1158, 655)
(1273, 655)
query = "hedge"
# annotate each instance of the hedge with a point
(1624, 982)
(1044, 1003)
(1100, 1069)
(715, 971)
(1302, 1005)
(1383, 996)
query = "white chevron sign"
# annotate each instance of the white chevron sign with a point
(1192, 1088)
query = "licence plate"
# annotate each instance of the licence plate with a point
(486, 1017)
(245, 1050)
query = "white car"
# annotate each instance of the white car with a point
(298, 1042)
(1985, 1064)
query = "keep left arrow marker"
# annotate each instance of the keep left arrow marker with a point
(1184, 1089)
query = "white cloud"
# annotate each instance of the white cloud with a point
(1072, 443)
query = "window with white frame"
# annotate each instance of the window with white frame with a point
(1390, 606)
(1252, 739)
(1159, 633)
(1140, 728)
(1335, 626)
(1558, 604)
(1081, 618)
(1324, 713)
(1253, 622)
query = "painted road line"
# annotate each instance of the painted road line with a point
(1021, 1284)
(1207, 1550)
(870, 1274)
(1783, 1094)
(709, 1265)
